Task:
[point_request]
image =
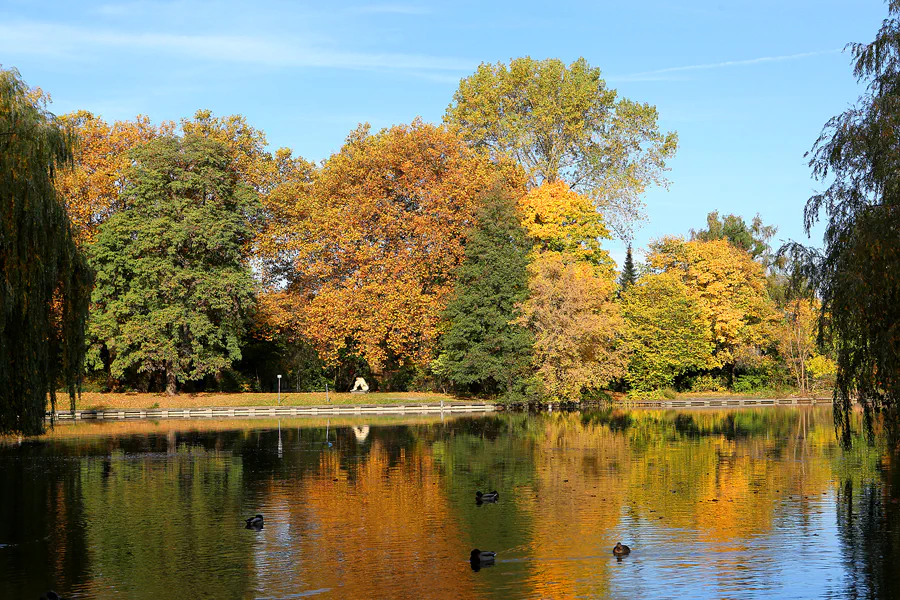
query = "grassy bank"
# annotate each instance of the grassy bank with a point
(767, 393)
(134, 400)
(97, 401)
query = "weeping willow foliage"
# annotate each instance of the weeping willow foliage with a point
(45, 285)
(857, 274)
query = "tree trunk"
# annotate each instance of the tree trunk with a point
(170, 381)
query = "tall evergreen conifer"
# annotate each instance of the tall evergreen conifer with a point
(629, 274)
(44, 278)
(483, 351)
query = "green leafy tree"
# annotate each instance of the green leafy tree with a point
(563, 122)
(857, 274)
(482, 349)
(753, 238)
(45, 279)
(629, 274)
(172, 288)
(665, 330)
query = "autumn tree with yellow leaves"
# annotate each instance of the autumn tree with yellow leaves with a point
(576, 326)
(730, 289)
(558, 219)
(665, 331)
(570, 308)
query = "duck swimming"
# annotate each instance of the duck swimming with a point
(487, 496)
(480, 559)
(621, 549)
(255, 522)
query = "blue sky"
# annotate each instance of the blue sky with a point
(747, 84)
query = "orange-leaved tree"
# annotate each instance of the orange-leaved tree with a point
(287, 205)
(376, 240)
(90, 190)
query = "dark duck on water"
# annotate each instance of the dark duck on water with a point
(621, 549)
(487, 496)
(480, 559)
(255, 522)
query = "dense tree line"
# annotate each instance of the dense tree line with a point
(467, 256)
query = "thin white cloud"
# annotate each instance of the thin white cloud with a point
(82, 43)
(672, 73)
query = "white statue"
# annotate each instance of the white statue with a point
(360, 385)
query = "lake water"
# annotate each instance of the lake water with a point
(714, 504)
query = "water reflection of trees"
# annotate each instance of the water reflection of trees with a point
(132, 511)
(41, 519)
(868, 520)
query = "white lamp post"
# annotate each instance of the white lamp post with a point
(279, 390)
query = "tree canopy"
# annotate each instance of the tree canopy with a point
(558, 219)
(172, 288)
(91, 189)
(46, 280)
(728, 286)
(563, 122)
(665, 331)
(575, 323)
(407, 250)
(753, 238)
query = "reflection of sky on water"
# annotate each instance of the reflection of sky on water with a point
(716, 505)
(781, 564)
